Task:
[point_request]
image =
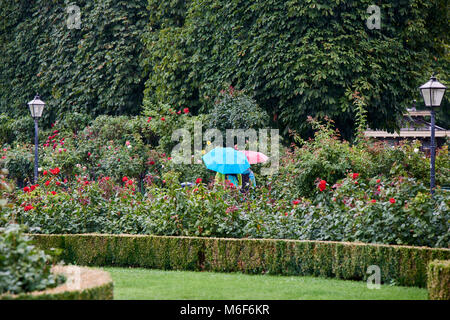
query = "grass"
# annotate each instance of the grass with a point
(170, 285)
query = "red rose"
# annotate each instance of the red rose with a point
(47, 182)
(373, 200)
(322, 185)
(124, 179)
(186, 110)
(199, 180)
(152, 162)
(32, 188)
(55, 171)
(28, 208)
(392, 200)
(149, 119)
(295, 202)
(378, 180)
(179, 112)
(163, 119)
(130, 182)
(45, 172)
(58, 183)
(89, 154)
(26, 189)
(355, 176)
(53, 192)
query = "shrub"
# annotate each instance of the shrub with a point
(5, 187)
(19, 162)
(398, 211)
(23, 267)
(235, 110)
(110, 146)
(6, 132)
(403, 265)
(438, 282)
(330, 158)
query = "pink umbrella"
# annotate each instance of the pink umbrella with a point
(255, 157)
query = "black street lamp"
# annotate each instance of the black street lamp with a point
(432, 93)
(36, 107)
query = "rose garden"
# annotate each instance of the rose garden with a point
(339, 215)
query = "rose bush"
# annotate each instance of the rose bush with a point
(23, 267)
(376, 210)
(330, 158)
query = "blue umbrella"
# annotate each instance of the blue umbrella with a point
(226, 161)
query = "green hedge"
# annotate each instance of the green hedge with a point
(439, 280)
(404, 264)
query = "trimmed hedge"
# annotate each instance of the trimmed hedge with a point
(95, 285)
(439, 280)
(405, 265)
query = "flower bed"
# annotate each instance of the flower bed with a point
(372, 210)
(113, 181)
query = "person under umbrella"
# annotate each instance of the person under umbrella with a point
(228, 163)
(248, 177)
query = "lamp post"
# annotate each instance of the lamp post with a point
(36, 107)
(432, 93)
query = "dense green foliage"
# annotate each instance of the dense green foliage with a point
(297, 58)
(4, 187)
(438, 282)
(398, 211)
(235, 110)
(294, 58)
(23, 267)
(406, 266)
(95, 69)
(330, 158)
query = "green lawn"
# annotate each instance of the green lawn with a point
(167, 285)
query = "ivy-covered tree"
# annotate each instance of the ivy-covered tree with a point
(301, 58)
(93, 69)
